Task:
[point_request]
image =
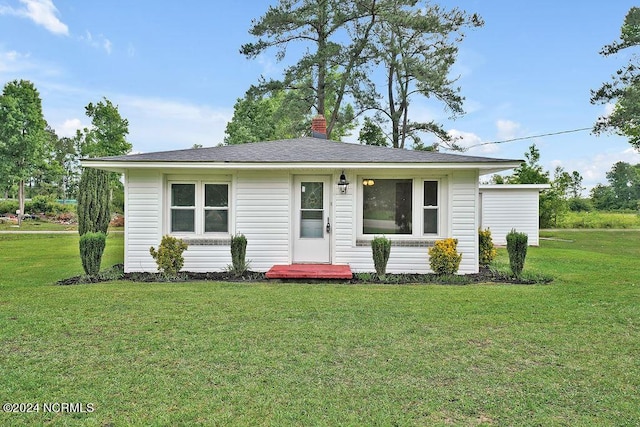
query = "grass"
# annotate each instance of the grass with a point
(208, 353)
(596, 219)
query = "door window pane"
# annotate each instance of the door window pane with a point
(311, 196)
(387, 206)
(311, 224)
(183, 194)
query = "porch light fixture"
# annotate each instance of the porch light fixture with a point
(343, 183)
(368, 182)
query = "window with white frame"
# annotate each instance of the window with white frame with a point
(387, 206)
(199, 207)
(404, 207)
(430, 207)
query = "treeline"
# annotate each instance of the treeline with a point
(565, 192)
(35, 161)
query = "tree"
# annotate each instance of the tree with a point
(106, 137)
(279, 114)
(334, 35)
(624, 87)
(108, 132)
(624, 180)
(575, 186)
(531, 171)
(416, 45)
(413, 41)
(371, 134)
(603, 197)
(22, 134)
(254, 119)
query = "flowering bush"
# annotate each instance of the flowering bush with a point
(486, 250)
(443, 256)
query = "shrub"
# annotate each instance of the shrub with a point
(169, 255)
(381, 248)
(238, 255)
(577, 204)
(93, 201)
(8, 206)
(443, 257)
(517, 249)
(486, 250)
(91, 249)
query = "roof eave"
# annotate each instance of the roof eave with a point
(121, 166)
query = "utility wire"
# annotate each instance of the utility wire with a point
(529, 137)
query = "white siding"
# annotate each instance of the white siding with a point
(506, 208)
(143, 219)
(464, 219)
(262, 214)
(461, 195)
(261, 209)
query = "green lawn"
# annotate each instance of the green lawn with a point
(209, 353)
(598, 219)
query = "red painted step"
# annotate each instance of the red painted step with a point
(310, 271)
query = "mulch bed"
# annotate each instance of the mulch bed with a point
(484, 276)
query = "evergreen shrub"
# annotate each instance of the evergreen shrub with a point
(91, 249)
(517, 250)
(238, 254)
(93, 201)
(381, 249)
(169, 256)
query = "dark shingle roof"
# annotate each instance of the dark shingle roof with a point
(301, 150)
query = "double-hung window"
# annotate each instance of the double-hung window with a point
(430, 207)
(199, 207)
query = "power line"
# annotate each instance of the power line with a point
(529, 137)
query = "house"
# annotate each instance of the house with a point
(504, 207)
(304, 200)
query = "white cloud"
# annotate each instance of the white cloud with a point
(107, 45)
(12, 62)
(157, 124)
(508, 129)
(472, 142)
(608, 109)
(98, 42)
(41, 12)
(69, 127)
(594, 169)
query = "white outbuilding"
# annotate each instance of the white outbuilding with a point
(504, 207)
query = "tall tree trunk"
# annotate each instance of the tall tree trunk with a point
(20, 202)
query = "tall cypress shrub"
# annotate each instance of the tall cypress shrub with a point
(517, 249)
(381, 249)
(91, 250)
(93, 217)
(93, 201)
(239, 254)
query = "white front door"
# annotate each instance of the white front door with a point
(311, 238)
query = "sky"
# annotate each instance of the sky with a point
(175, 71)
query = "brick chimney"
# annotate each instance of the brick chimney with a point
(319, 127)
